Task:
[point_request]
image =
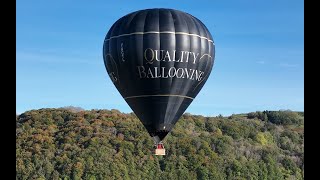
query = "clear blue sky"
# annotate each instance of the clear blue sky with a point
(259, 61)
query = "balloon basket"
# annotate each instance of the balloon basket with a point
(160, 150)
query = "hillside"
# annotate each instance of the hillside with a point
(107, 144)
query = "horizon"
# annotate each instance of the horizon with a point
(259, 62)
(186, 112)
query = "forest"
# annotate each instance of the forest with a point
(67, 143)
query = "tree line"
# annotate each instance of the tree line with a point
(107, 144)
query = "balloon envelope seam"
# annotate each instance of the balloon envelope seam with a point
(176, 95)
(158, 32)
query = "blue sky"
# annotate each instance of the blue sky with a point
(259, 63)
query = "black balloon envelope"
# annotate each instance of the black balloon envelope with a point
(158, 59)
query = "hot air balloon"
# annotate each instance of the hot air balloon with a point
(158, 59)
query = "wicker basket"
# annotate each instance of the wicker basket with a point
(160, 152)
